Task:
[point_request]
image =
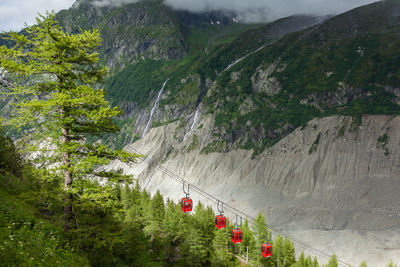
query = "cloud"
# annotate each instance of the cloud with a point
(269, 10)
(13, 14)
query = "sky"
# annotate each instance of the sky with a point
(14, 13)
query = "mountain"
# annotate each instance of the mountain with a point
(259, 89)
(299, 123)
(146, 29)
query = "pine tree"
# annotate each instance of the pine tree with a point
(157, 207)
(277, 253)
(62, 107)
(289, 254)
(315, 262)
(363, 264)
(248, 240)
(219, 247)
(301, 261)
(333, 261)
(10, 160)
(309, 261)
(260, 229)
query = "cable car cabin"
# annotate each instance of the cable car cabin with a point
(236, 236)
(186, 204)
(266, 250)
(220, 221)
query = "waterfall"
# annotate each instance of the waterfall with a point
(196, 115)
(240, 59)
(153, 109)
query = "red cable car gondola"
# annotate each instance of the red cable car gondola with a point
(266, 250)
(186, 202)
(220, 220)
(237, 234)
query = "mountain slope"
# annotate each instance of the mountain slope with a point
(130, 32)
(347, 65)
(261, 89)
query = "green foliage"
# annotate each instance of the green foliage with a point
(194, 144)
(214, 146)
(382, 140)
(29, 210)
(138, 83)
(332, 261)
(10, 160)
(26, 240)
(382, 143)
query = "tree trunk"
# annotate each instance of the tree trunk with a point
(67, 182)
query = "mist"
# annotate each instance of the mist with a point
(269, 10)
(257, 10)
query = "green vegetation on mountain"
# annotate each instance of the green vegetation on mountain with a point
(133, 84)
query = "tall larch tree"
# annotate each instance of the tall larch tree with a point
(61, 104)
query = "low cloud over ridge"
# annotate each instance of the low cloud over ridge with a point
(258, 10)
(269, 10)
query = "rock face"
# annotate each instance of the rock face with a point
(334, 184)
(129, 32)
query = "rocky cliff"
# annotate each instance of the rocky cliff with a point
(130, 32)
